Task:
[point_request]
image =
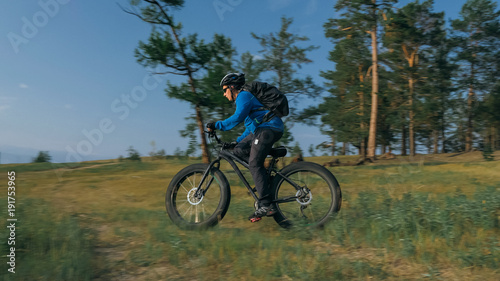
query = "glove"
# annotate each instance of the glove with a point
(211, 126)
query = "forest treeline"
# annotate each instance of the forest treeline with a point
(405, 78)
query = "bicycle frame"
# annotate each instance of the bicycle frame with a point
(192, 203)
(231, 159)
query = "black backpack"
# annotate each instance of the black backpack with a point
(271, 98)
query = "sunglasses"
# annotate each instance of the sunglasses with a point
(224, 90)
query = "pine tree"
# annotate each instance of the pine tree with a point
(217, 106)
(476, 34)
(409, 33)
(345, 110)
(178, 54)
(251, 66)
(283, 57)
(437, 90)
(133, 155)
(42, 157)
(365, 15)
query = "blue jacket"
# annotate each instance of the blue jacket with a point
(247, 107)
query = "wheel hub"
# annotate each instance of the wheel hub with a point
(304, 197)
(192, 198)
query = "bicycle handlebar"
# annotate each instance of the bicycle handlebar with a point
(213, 134)
(225, 145)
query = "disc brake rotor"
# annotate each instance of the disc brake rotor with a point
(191, 197)
(306, 200)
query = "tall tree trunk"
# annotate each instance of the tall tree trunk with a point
(443, 137)
(383, 149)
(199, 118)
(435, 140)
(344, 148)
(411, 113)
(490, 138)
(362, 148)
(494, 137)
(412, 57)
(333, 144)
(362, 145)
(205, 156)
(403, 140)
(372, 137)
(461, 136)
(443, 133)
(470, 117)
(204, 147)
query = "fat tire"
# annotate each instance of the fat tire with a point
(329, 179)
(220, 182)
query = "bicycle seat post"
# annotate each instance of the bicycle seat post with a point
(272, 164)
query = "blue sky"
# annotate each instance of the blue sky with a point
(70, 84)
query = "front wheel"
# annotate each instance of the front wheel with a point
(191, 208)
(307, 194)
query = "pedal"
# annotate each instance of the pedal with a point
(255, 219)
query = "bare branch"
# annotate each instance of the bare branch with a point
(137, 14)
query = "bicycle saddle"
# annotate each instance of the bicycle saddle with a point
(279, 151)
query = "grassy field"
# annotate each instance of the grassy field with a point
(426, 218)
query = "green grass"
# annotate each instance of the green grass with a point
(237, 252)
(49, 246)
(425, 227)
(35, 167)
(399, 221)
(420, 227)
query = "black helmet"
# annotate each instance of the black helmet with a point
(233, 79)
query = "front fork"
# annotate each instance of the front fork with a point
(200, 192)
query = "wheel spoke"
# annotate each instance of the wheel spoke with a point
(203, 208)
(186, 203)
(197, 219)
(183, 187)
(187, 210)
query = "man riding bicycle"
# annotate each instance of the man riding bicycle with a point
(257, 140)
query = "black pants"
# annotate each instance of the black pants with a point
(254, 148)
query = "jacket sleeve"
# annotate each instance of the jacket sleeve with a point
(243, 107)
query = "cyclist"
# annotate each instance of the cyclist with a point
(257, 140)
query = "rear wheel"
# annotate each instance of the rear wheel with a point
(316, 200)
(191, 209)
